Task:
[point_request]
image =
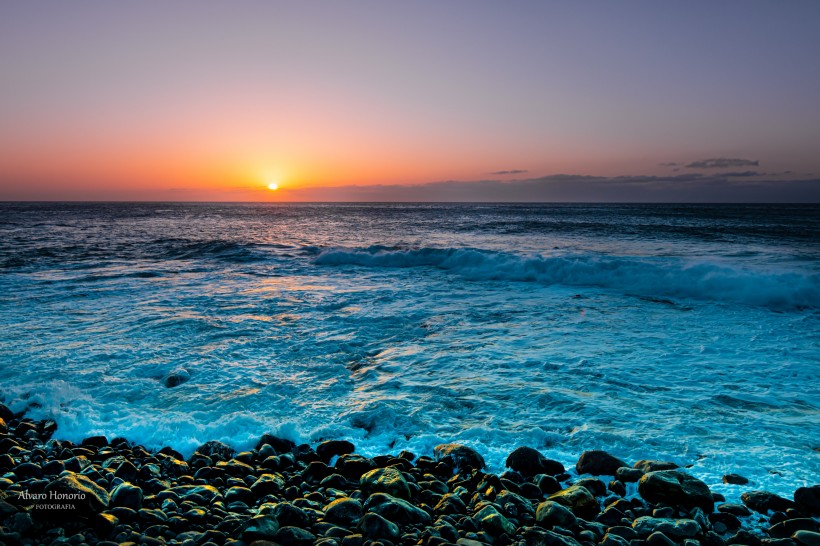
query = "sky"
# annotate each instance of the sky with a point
(457, 100)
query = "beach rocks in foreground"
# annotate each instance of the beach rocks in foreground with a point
(101, 492)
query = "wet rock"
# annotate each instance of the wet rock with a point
(289, 515)
(28, 470)
(551, 513)
(598, 463)
(659, 539)
(450, 504)
(529, 462)
(386, 480)
(281, 445)
(807, 538)
(593, 485)
(727, 520)
(294, 535)
(547, 484)
(494, 522)
(787, 528)
(20, 522)
(216, 450)
(459, 456)
(95, 441)
(396, 510)
(735, 509)
(353, 466)
(628, 475)
(764, 501)
(5, 413)
(127, 495)
(734, 479)
(540, 537)
(87, 497)
(676, 489)
(579, 500)
(613, 540)
(744, 537)
(176, 377)
(648, 465)
(807, 500)
(333, 448)
(344, 511)
(374, 526)
(205, 494)
(260, 528)
(673, 528)
(267, 484)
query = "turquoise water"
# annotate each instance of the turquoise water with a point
(687, 333)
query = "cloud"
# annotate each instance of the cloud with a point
(669, 164)
(722, 163)
(741, 174)
(678, 188)
(513, 171)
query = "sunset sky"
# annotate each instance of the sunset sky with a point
(439, 100)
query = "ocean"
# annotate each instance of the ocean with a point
(688, 333)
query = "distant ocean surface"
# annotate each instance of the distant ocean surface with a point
(688, 333)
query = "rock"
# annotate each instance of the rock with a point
(95, 441)
(676, 489)
(539, 537)
(127, 495)
(729, 521)
(295, 536)
(764, 501)
(613, 540)
(547, 484)
(628, 475)
(529, 462)
(735, 479)
(386, 480)
(593, 485)
(673, 528)
(519, 503)
(352, 466)
(787, 528)
(734, 509)
(459, 456)
(260, 528)
(807, 500)
(267, 484)
(87, 497)
(20, 522)
(205, 493)
(288, 515)
(598, 463)
(450, 504)
(5, 413)
(345, 512)
(28, 470)
(494, 522)
(176, 377)
(333, 448)
(126, 471)
(375, 527)
(807, 538)
(281, 445)
(659, 539)
(648, 465)
(216, 450)
(551, 513)
(579, 500)
(395, 509)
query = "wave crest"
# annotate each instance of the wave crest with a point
(667, 277)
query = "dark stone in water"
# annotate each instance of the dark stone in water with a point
(735, 479)
(763, 501)
(344, 511)
(332, 448)
(676, 489)
(648, 465)
(593, 485)
(459, 456)
(95, 441)
(728, 520)
(375, 527)
(353, 466)
(176, 377)
(579, 500)
(807, 500)
(529, 462)
(5, 413)
(547, 484)
(216, 451)
(786, 529)
(629, 475)
(598, 463)
(281, 445)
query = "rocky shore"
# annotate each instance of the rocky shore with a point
(114, 492)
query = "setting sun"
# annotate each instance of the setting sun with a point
(273, 186)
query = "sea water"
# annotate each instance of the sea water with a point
(679, 332)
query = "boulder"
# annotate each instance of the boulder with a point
(551, 513)
(87, 497)
(677, 529)
(579, 500)
(345, 512)
(127, 495)
(494, 522)
(216, 450)
(459, 456)
(764, 501)
(807, 500)
(648, 465)
(528, 462)
(598, 463)
(676, 489)
(386, 480)
(262, 527)
(375, 527)
(396, 510)
(333, 448)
